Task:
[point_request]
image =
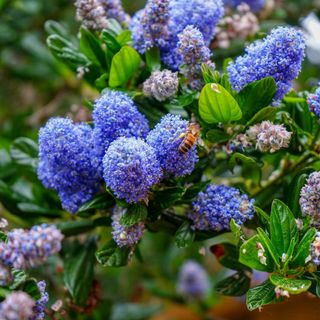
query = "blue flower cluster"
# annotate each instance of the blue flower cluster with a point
(193, 281)
(203, 15)
(255, 5)
(150, 26)
(67, 162)
(28, 248)
(165, 139)
(314, 102)
(131, 168)
(214, 208)
(114, 9)
(315, 250)
(115, 115)
(279, 55)
(125, 236)
(40, 305)
(193, 52)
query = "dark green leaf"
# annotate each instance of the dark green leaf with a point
(3, 237)
(30, 286)
(37, 210)
(217, 136)
(166, 198)
(283, 227)
(124, 64)
(19, 277)
(184, 235)
(216, 105)
(255, 96)
(293, 286)
(303, 251)
(268, 245)
(24, 152)
(134, 214)
(262, 215)
(260, 295)
(267, 113)
(235, 285)
(113, 256)
(100, 202)
(78, 271)
(229, 257)
(153, 59)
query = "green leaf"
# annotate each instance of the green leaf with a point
(124, 311)
(153, 59)
(124, 64)
(262, 215)
(249, 255)
(209, 75)
(19, 277)
(3, 237)
(100, 202)
(255, 96)
(24, 152)
(235, 285)
(111, 42)
(303, 250)
(167, 197)
(260, 295)
(134, 214)
(78, 270)
(293, 286)
(216, 104)
(124, 37)
(30, 286)
(267, 113)
(267, 244)
(36, 210)
(113, 256)
(236, 230)
(283, 227)
(217, 136)
(184, 235)
(91, 47)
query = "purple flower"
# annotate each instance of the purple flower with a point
(214, 208)
(40, 305)
(314, 102)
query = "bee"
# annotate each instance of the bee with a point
(191, 137)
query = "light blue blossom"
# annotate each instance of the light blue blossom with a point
(314, 102)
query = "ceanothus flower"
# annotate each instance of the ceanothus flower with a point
(269, 137)
(255, 5)
(68, 162)
(91, 14)
(113, 9)
(310, 198)
(125, 236)
(115, 115)
(40, 305)
(193, 281)
(29, 248)
(193, 52)
(314, 102)
(315, 250)
(150, 26)
(214, 208)
(131, 168)
(279, 55)
(165, 138)
(161, 85)
(18, 305)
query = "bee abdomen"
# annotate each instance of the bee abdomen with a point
(187, 144)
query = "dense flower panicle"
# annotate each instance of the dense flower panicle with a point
(279, 55)
(193, 281)
(214, 208)
(113, 9)
(40, 305)
(115, 115)
(255, 5)
(269, 137)
(17, 306)
(310, 198)
(314, 102)
(161, 85)
(29, 248)
(68, 162)
(193, 52)
(131, 168)
(91, 14)
(165, 139)
(241, 24)
(5, 274)
(125, 236)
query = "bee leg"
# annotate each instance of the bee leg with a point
(182, 135)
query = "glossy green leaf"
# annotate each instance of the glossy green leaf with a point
(283, 227)
(124, 64)
(216, 105)
(24, 151)
(293, 286)
(184, 235)
(235, 285)
(267, 113)
(102, 201)
(229, 257)
(217, 136)
(260, 295)
(78, 271)
(268, 245)
(134, 214)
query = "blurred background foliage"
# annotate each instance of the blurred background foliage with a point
(35, 86)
